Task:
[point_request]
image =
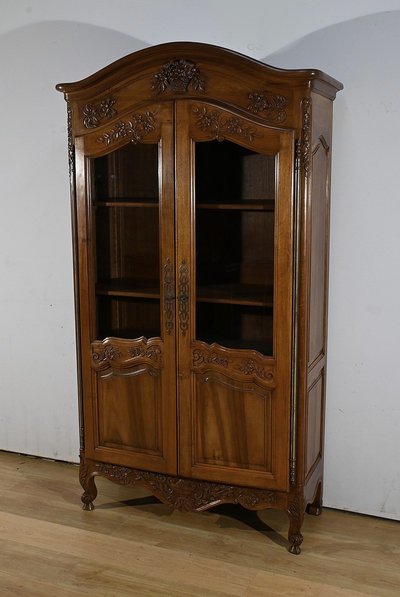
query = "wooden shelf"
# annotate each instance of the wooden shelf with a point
(236, 294)
(267, 205)
(129, 288)
(229, 294)
(128, 202)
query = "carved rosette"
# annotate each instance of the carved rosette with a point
(118, 353)
(252, 368)
(243, 365)
(95, 113)
(177, 76)
(219, 125)
(105, 356)
(189, 495)
(136, 128)
(274, 105)
(305, 143)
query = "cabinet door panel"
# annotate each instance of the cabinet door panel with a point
(235, 187)
(128, 404)
(126, 261)
(232, 419)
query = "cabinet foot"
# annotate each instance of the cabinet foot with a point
(295, 541)
(295, 512)
(86, 478)
(315, 508)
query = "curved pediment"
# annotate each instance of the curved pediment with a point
(181, 67)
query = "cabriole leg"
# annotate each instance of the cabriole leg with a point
(296, 515)
(315, 508)
(87, 480)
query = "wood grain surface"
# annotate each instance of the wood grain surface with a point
(133, 545)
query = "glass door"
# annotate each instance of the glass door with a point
(126, 259)
(234, 356)
(125, 198)
(235, 214)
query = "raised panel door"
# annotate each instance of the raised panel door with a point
(234, 289)
(126, 261)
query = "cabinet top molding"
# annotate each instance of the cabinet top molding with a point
(207, 62)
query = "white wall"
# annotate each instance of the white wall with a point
(363, 395)
(44, 42)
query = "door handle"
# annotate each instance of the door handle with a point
(183, 297)
(169, 296)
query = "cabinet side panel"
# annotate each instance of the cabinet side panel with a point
(319, 216)
(315, 397)
(317, 243)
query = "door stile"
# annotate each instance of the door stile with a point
(185, 264)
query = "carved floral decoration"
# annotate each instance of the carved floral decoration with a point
(95, 113)
(219, 124)
(177, 76)
(204, 358)
(229, 360)
(169, 289)
(274, 105)
(151, 352)
(186, 494)
(108, 353)
(71, 146)
(119, 353)
(305, 145)
(183, 298)
(250, 367)
(137, 127)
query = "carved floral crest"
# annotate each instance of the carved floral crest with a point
(177, 76)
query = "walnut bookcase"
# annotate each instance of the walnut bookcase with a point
(200, 204)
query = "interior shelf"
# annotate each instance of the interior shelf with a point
(126, 202)
(257, 205)
(129, 288)
(236, 294)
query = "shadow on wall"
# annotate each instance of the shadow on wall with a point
(68, 49)
(367, 43)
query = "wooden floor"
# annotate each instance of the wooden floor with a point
(133, 545)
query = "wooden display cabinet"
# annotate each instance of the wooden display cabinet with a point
(200, 201)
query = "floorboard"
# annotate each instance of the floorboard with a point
(131, 544)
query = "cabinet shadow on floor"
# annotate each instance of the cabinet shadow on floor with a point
(229, 516)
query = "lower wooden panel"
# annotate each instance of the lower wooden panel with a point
(128, 406)
(130, 414)
(233, 423)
